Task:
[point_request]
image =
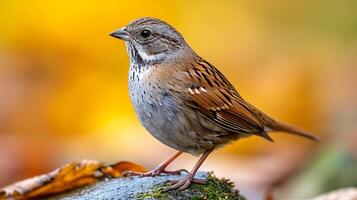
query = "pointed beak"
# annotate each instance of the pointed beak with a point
(122, 34)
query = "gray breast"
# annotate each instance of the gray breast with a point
(153, 104)
(158, 111)
(148, 97)
(166, 117)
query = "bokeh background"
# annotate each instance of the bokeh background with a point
(63, 86)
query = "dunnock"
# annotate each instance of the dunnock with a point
(183, 100)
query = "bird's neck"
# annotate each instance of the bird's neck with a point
(141, 58)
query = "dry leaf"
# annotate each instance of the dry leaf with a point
(71, 176)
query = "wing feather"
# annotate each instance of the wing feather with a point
(213, 96)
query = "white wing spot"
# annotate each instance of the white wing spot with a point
(197, 91)
(203, 89)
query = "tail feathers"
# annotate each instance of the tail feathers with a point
(288, 128)
(275, 125)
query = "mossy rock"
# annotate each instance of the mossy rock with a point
(150, 188)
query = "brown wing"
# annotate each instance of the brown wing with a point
(213, 96)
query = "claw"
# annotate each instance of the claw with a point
(131, 173)
(199, 181)
(184, 183)
(153, 173)
(158, 170)
(179, 185)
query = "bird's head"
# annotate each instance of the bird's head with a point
(150, 40)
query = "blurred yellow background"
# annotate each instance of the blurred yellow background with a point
(63, 80)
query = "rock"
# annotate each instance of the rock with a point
(151, 188)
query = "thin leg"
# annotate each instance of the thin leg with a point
(185, 182)
(159, 169)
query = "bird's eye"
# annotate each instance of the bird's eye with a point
(145, 33)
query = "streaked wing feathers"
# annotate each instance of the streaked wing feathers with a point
(213, 95)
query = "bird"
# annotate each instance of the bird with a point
(184, 101)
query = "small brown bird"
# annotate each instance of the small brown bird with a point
(183, 100)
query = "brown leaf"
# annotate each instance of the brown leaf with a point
(68, 177)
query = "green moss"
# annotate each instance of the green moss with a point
(156, 193)
(220, 189)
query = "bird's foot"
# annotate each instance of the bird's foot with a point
(152, 173)
(182, 184)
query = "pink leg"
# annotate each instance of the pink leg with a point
(185, 182)
(159, 169)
